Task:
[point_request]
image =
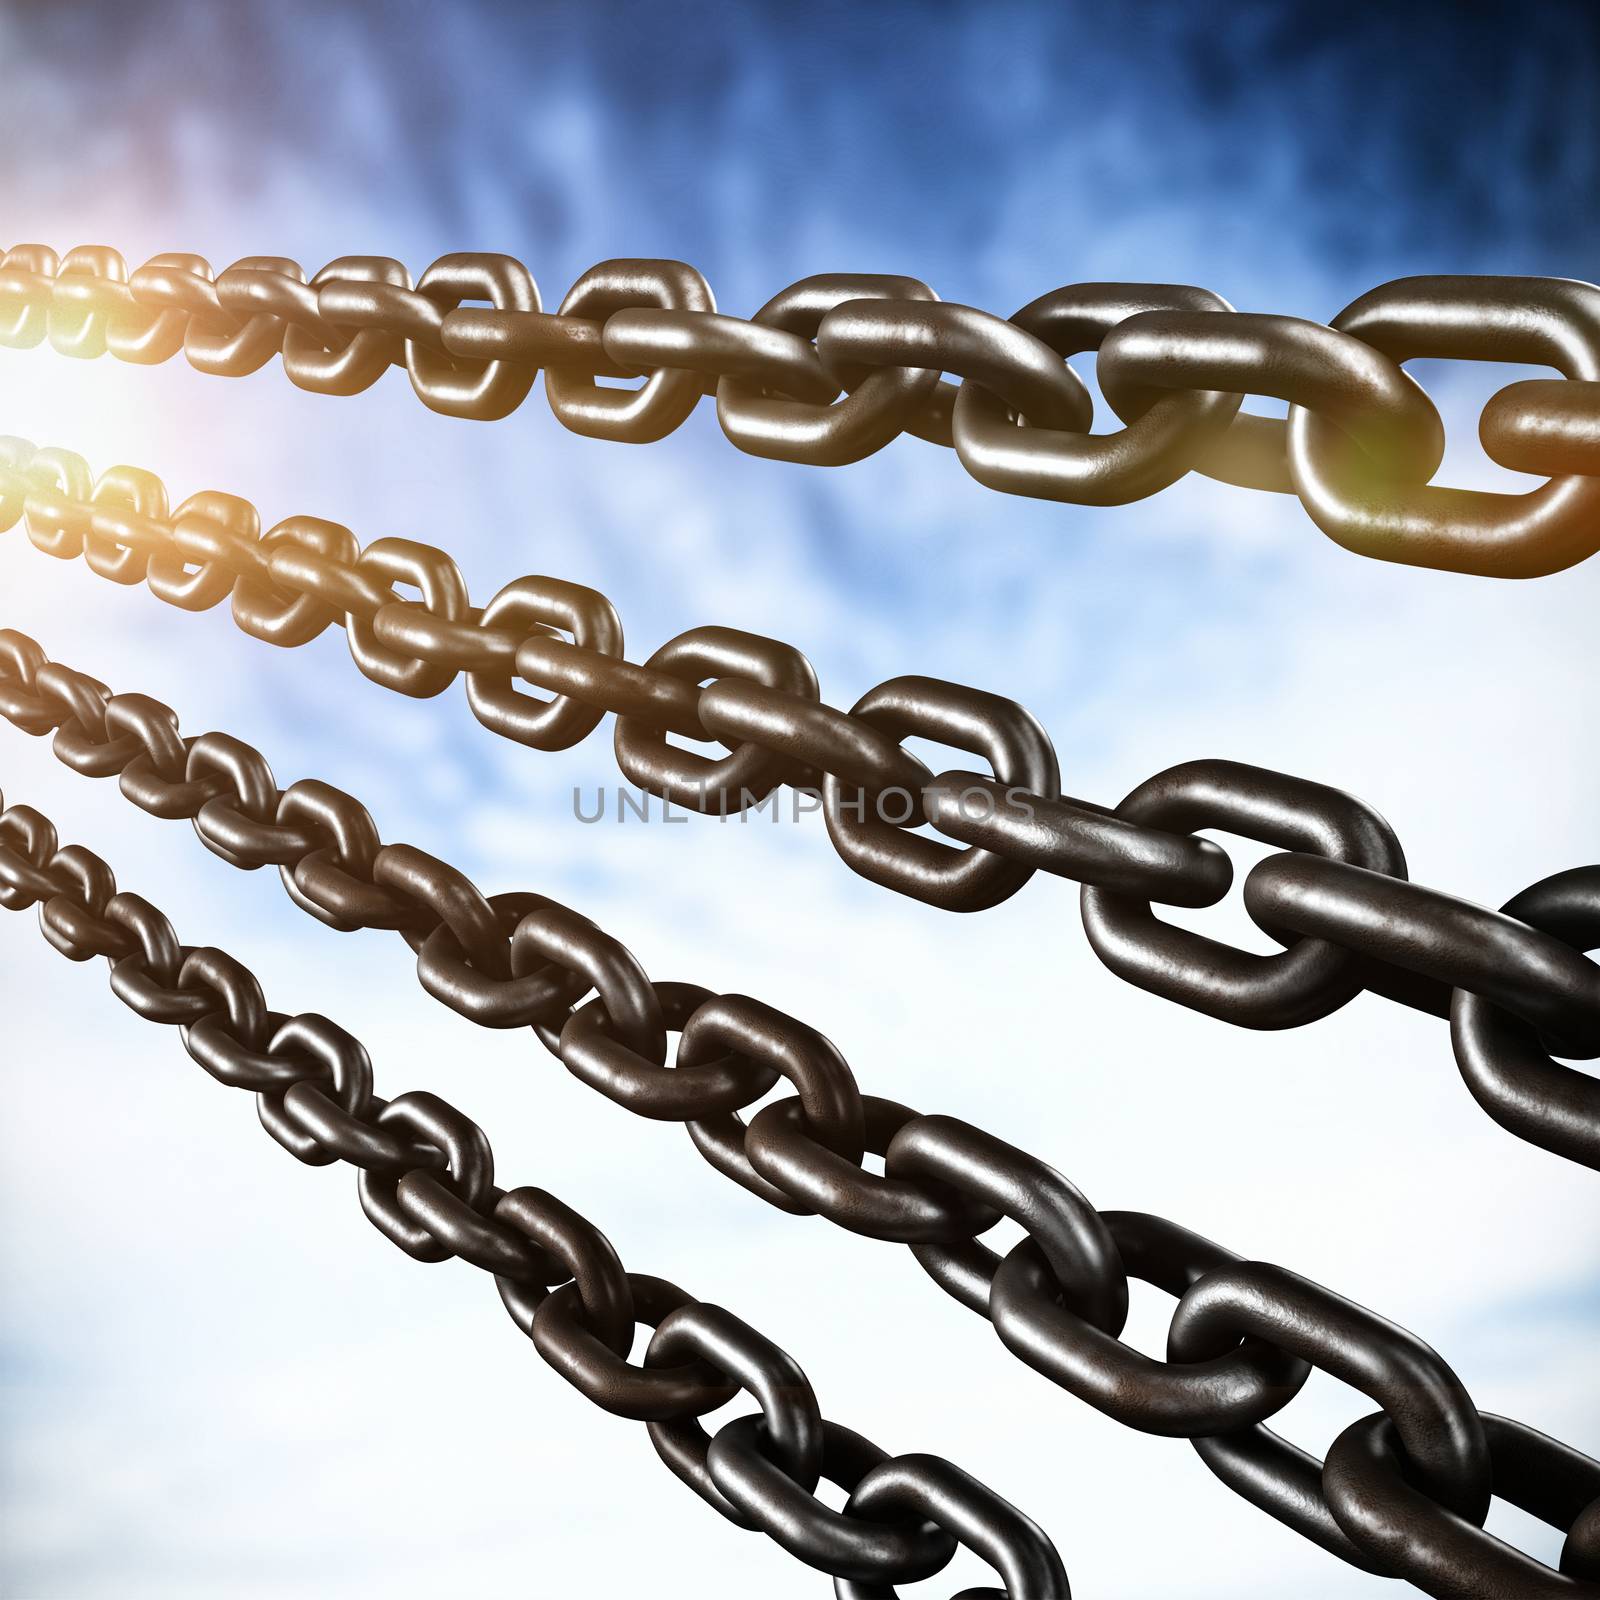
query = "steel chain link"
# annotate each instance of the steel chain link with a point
(426, 1180)
(1515, 984)
(835, 367)
(1403, 1492)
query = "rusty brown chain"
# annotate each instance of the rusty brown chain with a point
(1514, 983)
(834, 367)
(1402, 1492)
(425, 1179)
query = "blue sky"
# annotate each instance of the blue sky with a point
(216, 1375)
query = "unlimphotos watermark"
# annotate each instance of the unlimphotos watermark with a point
(898, 807)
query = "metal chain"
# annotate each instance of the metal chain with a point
(834, 367)
(1403, 1492)
(425, 1177)
(1513, 983)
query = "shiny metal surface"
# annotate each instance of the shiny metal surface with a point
(1451, 1556)
(1244, 1335)
(1368, 927)
(1175, 363)
(1543, 321)
(425, 1177)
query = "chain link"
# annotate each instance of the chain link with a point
(1244, 1336)
(1517, 988)
(835, 367)
(425, 1176)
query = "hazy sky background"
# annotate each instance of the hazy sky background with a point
(217, 1377)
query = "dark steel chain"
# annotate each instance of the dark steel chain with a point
(1403, 1492)
(425, 1178)
(834, 367)
(1514, 983)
